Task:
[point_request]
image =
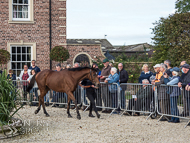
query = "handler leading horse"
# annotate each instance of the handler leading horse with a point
(63, 81)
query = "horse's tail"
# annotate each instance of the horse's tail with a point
(31, 84)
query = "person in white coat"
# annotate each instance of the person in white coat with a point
(24, 75)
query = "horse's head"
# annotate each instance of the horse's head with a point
(93, 76)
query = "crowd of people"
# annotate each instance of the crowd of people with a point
(114, 79)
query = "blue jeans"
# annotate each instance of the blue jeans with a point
(46, 96)
(174, 109)
(34, 90)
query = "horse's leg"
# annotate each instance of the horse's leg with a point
(68, 108)
(39, 105)
(42, 102)
(71, 96)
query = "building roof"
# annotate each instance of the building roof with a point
(135, 47)
(104, 42)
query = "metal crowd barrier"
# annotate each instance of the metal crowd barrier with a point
(108, 97)
(170, 102)
(137, 98)
(173, 103)
(60, 98)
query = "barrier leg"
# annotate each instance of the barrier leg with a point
(124, 112)
(112, 112)
(187, 124)
(86, 108)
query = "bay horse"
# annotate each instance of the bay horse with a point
(62, 81)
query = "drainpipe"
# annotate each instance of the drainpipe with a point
(50, 31)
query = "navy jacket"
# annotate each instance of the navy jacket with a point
(145, 76)
(37, 69)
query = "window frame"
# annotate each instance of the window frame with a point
(24, 44)
(21, 19)
(21, 61)
(30, 19)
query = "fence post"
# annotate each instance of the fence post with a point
(156, 98)
(119, 96)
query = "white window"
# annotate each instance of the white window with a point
(20, 56)
(21, 10)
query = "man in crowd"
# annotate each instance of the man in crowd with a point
(76, 65)
(142, 100)
(123, 78)
(57, 96)
(169, 68)
(104, 88)
(158, 73)
(163, 99)
(185, 81)
(185, 110)
(34, 67)
(77, 92)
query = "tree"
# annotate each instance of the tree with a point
(172, 39)
(182, 6)
(59, 54)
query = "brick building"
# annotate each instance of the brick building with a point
(30, 28)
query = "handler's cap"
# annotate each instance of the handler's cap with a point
(105, 60)
(175, 69)
(185, 66)
(157, 66)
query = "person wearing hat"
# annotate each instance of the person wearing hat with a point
(184, 82)
(106, 97)
(174, 92)
(158, 73)
(185, 109)
(163, 99)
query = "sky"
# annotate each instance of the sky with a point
(125, 22)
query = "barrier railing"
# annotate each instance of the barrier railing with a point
(173, 103)
(107, 97)
(137, 98)
(170, 102)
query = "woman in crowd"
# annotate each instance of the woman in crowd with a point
(113, 78)
(34, 89)
(173, 91)
(145, 74)
(24, 75)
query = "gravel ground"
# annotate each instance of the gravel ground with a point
(114, 128)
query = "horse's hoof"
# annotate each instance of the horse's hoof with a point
(78, 117)
(36, 112)
(69, 116)
(47, 115)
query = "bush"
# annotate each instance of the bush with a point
(59, 54)
(4, 56)
(8, 96)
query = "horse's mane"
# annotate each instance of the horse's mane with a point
(80, 68)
